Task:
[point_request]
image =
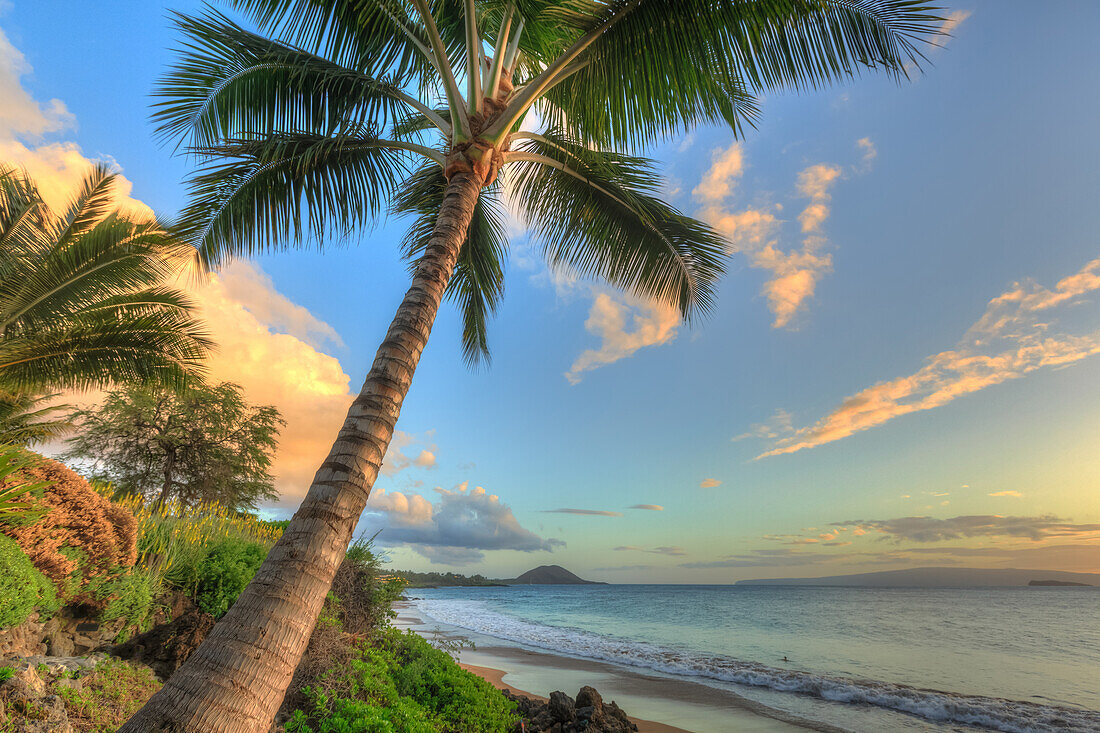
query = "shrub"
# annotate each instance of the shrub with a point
(6, 673)
(22, 587)
(131, 597)
(402, 684)
(224, 573)
(80, 530)
(110, 695)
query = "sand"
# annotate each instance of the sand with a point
(495, 677)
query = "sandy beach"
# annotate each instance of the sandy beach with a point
(657, 704)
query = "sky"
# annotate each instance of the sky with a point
(901, 369)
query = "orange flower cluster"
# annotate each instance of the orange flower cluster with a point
(77, 520)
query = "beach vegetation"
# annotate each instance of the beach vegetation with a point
(106, 696)
(225, 571)
(332, 112)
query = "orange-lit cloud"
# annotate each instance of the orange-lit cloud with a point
(1013, 494)
(624, 325)
(709, 483)
(953, 20)
(1015, 336)
(754, 232)
(649, 507)
(931, 529)
(55, 167)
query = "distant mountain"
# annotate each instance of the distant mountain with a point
(939, 577)
(1057, 583)
(550, 575)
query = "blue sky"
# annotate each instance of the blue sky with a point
(930, 199)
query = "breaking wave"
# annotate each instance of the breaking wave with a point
(1010, 716)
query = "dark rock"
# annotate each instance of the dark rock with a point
(561, 714)
(86, 626)
(165, 647)
(562, 707)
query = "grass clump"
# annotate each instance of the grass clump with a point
(22, 587)
(399, 683)
(109, 696)
(132, 597)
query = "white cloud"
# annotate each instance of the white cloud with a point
(868, 153)
(754, 232)
(55, 167)
(953, 20)
(624, 325)
(458, 528)
(1015, 336)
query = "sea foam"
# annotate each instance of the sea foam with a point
(999, 714)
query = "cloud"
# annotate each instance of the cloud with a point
(1014, 494)
(794, 272)
(953, 20)
(709, 483)
(650, 507)
(247, 283)
(583, 512)
(1015, 336)
(626, 567)
(624, 325)
(868, 153)
(56, 167)
(930, 529)
(671, 551)
(458, 528)
(403, 453)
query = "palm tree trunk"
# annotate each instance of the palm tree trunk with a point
(235, 681)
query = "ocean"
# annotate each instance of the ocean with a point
(864, 659)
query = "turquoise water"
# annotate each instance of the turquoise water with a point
(1010, 659)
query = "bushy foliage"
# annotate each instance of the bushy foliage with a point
(399, 683)
(109, 695)
(205, 443)
(22, 587)
(224, 573)
(132, 596)
(78, 529)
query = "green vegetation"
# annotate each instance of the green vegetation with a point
(6, 673)
(443, 580)
(402, 683)
(107, 697)
(196, 445)
(83, 296)
(225, 571)
(132, 596)
(23, 588)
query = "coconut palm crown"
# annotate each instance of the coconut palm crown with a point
(332, 112)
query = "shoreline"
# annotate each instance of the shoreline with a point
(656, 703)
(495, 677)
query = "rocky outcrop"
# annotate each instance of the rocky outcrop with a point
(61, 636)
(167, 646)
(562, 714)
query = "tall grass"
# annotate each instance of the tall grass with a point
(173, 540)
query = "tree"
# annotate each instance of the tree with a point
(83, 300)
(201, 444)
(309, 127)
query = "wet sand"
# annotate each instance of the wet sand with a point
(657, 703)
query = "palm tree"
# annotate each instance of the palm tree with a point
(309, 127)
(83, 302)
(27, 419)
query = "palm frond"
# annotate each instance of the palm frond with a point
(83, 300)
(265, 194)
(27, 419)
(598, 214)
